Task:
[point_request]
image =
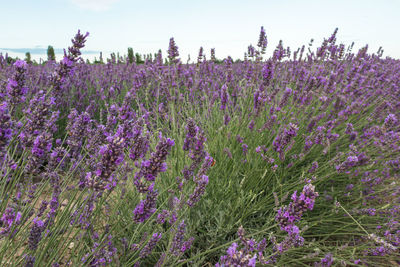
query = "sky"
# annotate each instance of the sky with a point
(229, 26)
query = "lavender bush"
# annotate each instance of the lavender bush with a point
(289, 160)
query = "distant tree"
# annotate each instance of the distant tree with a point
(28, 58)
(139, 59)
(10, 60)
(50, 53)
(131, 56)
(101, 58)
(96, 61)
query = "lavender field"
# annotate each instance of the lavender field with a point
(288, 160)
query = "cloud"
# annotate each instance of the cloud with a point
(94, 5)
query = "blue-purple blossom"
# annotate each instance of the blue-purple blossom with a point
(150, 245)
(247, 253)
(224, 97)
(191, 132)
(285, 97)
(9, 219)
(198, 191)
(283, 139)
(16, 89)
(35, 234)
(179, 245)
(292, 213)
(390, 121)
(65, 68)
(146, 207)
(102, 253)
(327, 261)
(313, 167)
(6, 130)
(262, 40)
(173, 52)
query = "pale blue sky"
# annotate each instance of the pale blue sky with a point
(228, 25)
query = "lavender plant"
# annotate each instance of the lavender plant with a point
(175, 160)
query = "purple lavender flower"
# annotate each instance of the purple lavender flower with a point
(390, 121)
(267, 73)
(40, 151)
(251, 51)
(112, 155)
(224, 97)
(172, 51)
(286, 94)
(313, 167)
(179, 245)
(284, 138)
(42, 209)
(29, 260)
(35, 234)
(262, 40)
(146, 207)
(150, 245)
(101, 253)
(259, 99)
(9, 218)
(212, 51)
(327, 261)
(320, 135)
(245, 149)
(293, 239)
(288, 215)
(352, 161)
(198, 191)
(268, 125)
(162, 216)
(16, 89)
(246, 256)
(152, 167)
(314, 121)
(194, 143)
(251, 125)
(39, 118)
(6, 131)
(78, 42)
(191, 130)
(65, 68)
(85, 212)
(201, 55)
(227, 119)
(279, 52)
(159, 58)
(349, 128)
(79, 125)
(138, 143)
